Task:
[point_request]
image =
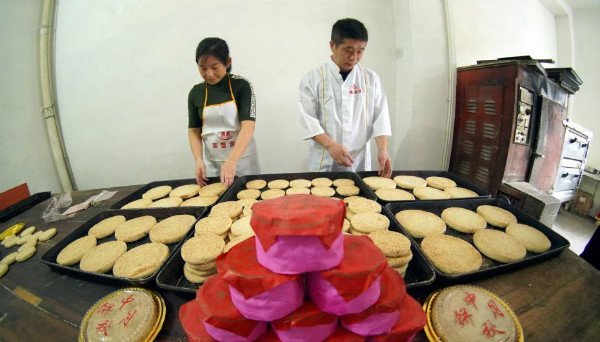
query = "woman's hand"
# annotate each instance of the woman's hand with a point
(228, 172)
(200, 172)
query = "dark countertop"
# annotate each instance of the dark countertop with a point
(557, 299)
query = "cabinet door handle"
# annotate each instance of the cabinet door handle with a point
(537, 155)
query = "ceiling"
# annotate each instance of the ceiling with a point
(583, 4)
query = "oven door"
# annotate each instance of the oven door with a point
(575, 146)
(548, 146)
(567, 179)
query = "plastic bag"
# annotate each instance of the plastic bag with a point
(52, 211)
(103, 196)
(94, 200)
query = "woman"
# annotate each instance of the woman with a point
(222, 110)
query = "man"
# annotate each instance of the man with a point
(343, 104)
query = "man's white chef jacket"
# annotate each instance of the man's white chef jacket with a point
(351, 112)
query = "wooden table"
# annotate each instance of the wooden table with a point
(556, 300)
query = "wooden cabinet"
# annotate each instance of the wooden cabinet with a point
(508, 125)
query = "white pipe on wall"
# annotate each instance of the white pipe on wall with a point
(451, 86)
(57, 145)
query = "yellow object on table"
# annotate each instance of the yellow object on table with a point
(12, 230)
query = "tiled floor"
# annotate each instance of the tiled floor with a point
(577, 229)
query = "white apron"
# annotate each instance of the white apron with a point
(220, 129)
(351, 112)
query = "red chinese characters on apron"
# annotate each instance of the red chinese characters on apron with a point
(220, 129)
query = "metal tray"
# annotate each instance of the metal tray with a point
(171, 276)
(489, 267)
(240, 183)
(419, 272)
(23, 205)
(424, 174)
(49, 258)
(173, 183)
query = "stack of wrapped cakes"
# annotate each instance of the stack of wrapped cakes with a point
(301, 279)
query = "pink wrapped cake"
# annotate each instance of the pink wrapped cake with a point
(299, 233)
(189, 314)
(355, 284)
(221, 319)
(307, 324)
(256, 292)
(342, 335)
(412, 319)
(383, 315)
(269, 336)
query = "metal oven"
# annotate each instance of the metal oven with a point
(511, 132)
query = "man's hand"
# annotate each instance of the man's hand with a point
(228, 172)
(340, 154)
(200, 172)
(385, 164)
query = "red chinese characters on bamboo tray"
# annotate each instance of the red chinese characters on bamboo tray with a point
(355, 284)
(131, 314)
(307, 323)
(220, 317)
(382, 316)
(411, 320)
(470, 313)
(299, 234)
(256, 292)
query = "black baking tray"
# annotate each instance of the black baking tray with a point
(489, 267)
(49, 258)
(418, 274)
(171, 276)
(240, 183)
(136, 195)
(23, 205)
(431, 173)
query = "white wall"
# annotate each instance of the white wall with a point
(482, 30)
(500, 28)
(422, 90)
(24, 153)
(564, 41)
(586, 111)
(124, 70)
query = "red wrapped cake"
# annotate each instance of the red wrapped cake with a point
(355, 284)
(412, 319)
(299, 234)
(307, 324)
(269, 336)
(256, 292)
(221, 318)
(189, 316)
(261, 280)
(342, 335)
(383, 315)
